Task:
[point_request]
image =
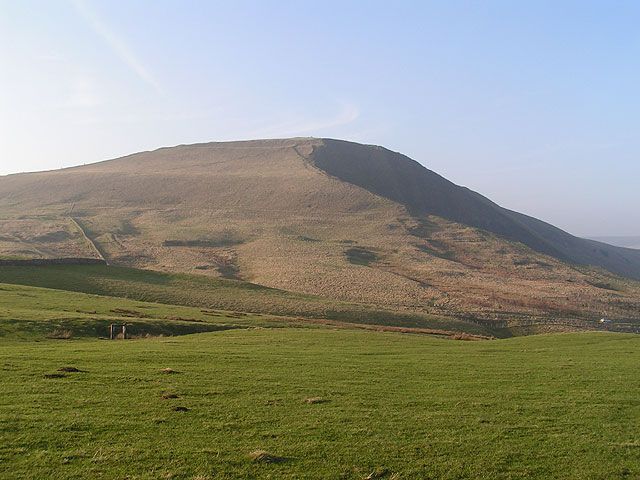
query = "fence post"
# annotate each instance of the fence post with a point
(124, 332)
(111, 331)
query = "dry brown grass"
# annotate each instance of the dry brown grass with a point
(378, 474)
(61, 334)
(464, 336)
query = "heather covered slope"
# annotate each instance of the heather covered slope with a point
(343, 221)
(424, 192)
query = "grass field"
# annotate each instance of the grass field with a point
(206, 292)
(31, 313)
(392, 406)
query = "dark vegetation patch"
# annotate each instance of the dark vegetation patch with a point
(180, 408)
(51, 237)
(262, 456)
(229, 269)
(199, 243)
(69, 369)
(225, 239)
(604, 286)
(127, 228)
(315, 400)
(361, 256)
(54, 375)
(436, 248)
(420, 227)
(226, 267)
(169, 396)
(184, 319)
(307, 239)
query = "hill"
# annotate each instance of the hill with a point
(342, 221)
(628, 241)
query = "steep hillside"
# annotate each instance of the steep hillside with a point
(424, 192)
(344, 221)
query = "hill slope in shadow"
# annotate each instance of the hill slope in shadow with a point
(423, 192)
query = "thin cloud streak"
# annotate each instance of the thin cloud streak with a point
(348, 114)
(117, 44)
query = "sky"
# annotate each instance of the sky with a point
(534, 104)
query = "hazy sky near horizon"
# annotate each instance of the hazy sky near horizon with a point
(535, 104)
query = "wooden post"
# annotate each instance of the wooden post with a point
(111, 331)
(124, 332)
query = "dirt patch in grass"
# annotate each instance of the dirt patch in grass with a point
(180, 409)
(466, 337)
(315, 400)
(378, 473)
(60, 334)
(168, 371)
(69, 369)
(262, 456)
(169, 396)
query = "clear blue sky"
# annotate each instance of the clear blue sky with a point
(535, 104)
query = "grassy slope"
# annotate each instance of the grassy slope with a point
(30, 313)
(561, 406)
(207, 292)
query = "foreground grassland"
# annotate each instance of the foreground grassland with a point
(395, 406)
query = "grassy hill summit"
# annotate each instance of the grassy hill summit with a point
(329, 218)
